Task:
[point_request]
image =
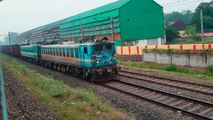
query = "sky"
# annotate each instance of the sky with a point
(22, 15)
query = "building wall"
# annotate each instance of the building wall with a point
(141, 20)
(92, 26)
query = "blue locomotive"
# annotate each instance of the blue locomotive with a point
(95, 61)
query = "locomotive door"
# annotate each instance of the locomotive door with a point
(84, 56)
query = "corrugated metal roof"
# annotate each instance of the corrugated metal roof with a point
(109, 7)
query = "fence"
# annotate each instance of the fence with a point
(3, 97)
(194, 59)
(138, 50)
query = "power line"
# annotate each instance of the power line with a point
(174, 2)
(185, 2)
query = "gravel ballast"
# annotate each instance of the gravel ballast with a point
(21, 104)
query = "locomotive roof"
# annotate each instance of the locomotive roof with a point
(76, 45)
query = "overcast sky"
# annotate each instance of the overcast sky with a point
(23, 15)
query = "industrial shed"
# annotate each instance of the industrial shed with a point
(134, 22)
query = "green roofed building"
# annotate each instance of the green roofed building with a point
(133, 22)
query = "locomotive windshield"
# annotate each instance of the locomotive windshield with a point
(109, 47)
(99, 48)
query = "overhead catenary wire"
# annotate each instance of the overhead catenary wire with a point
(183, 3)
(175, 2)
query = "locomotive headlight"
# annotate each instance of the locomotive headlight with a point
(93, 57)
(100, 71)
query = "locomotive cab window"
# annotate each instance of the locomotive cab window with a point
(98, 48)
(109, 47)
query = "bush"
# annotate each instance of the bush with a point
(210, 68)
(171, 67)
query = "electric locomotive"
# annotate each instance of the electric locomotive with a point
(95, 61)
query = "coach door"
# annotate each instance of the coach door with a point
(84, 56)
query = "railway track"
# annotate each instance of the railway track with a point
(180, 84)
(193, 107)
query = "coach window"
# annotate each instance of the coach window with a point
(57, 51)
(68, 52)
(76, 53)
(45, 51)
(71, 52)
(60, 51)
(50, 51)
(54, 52)
(85, 50)
(64, 52)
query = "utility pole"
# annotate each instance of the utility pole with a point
(82, 33)
(202, 31)
(9, 38)
(112, 28)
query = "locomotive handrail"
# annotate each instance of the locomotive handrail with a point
(3, 98)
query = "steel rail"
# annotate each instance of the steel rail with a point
(170, 85)
(164, 93)
(169, 79)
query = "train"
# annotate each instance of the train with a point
(94, 61)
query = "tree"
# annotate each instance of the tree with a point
(192, 32)
(184, 16)
(207, 16)
(171, 34)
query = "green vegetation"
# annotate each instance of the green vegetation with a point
(193, 18)
(201, 74)
(171, 34)
(207, 16)
(192, 33)
(210, 68)
(192, 41)
(67, 103)
(184, 16)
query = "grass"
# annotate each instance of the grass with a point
(191, 41)
(65, 102)
(202, 74)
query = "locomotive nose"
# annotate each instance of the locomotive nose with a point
(103, 60)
